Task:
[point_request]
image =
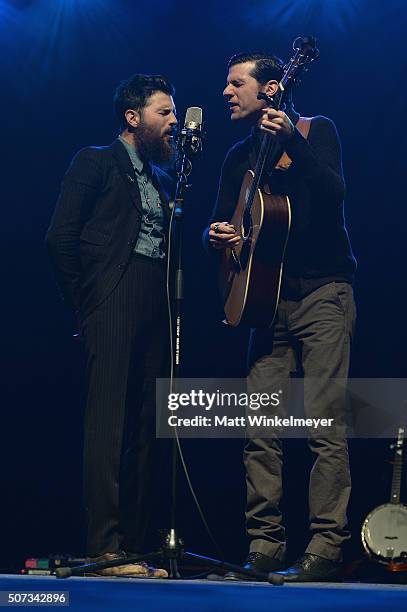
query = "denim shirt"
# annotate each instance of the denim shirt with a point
(151, 238)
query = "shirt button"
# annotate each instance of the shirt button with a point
(121, 266)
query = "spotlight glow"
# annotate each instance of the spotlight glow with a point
(338, 14)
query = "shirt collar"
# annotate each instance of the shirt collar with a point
(138, 165)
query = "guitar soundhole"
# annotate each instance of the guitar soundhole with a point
(240, 261)
(244, 255)
(236, 261)
(247, 226)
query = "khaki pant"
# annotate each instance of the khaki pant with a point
(312, 336)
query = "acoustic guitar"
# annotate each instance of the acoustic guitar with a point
(250, 274)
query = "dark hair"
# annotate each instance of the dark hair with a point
(267, 67)
(135, 91)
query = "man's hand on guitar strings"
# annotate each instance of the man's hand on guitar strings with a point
(222, 235)
(277, 123)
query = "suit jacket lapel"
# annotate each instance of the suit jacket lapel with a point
(127, 172)
(129, 177)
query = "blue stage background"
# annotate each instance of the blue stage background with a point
(60, 62)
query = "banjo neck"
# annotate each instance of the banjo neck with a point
(397, 468)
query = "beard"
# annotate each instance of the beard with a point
(153, 145)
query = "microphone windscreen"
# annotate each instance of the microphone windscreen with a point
(193, 116)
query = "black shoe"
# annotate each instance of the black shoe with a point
(258, 562)
(313, 568)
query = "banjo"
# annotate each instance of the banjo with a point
(384, 531)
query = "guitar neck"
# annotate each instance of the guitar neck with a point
(270, 150)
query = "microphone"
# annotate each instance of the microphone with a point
(190, 138)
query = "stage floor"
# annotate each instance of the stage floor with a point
(121, 594)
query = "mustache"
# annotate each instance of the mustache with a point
(174, 132)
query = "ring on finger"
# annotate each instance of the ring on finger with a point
(216, 228)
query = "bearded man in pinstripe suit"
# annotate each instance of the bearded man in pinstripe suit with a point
(108, 241)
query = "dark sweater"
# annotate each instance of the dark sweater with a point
(318, 249)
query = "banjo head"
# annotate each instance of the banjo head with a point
(384, 532)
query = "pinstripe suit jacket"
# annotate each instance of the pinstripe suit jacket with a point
(96, 223)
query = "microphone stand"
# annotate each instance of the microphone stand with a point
(173, 544)
(172, 549)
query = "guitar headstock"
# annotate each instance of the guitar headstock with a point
(307, 45)
(306, 52)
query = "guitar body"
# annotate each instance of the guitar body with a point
(250, 274)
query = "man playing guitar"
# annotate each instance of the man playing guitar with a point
(312, 330)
